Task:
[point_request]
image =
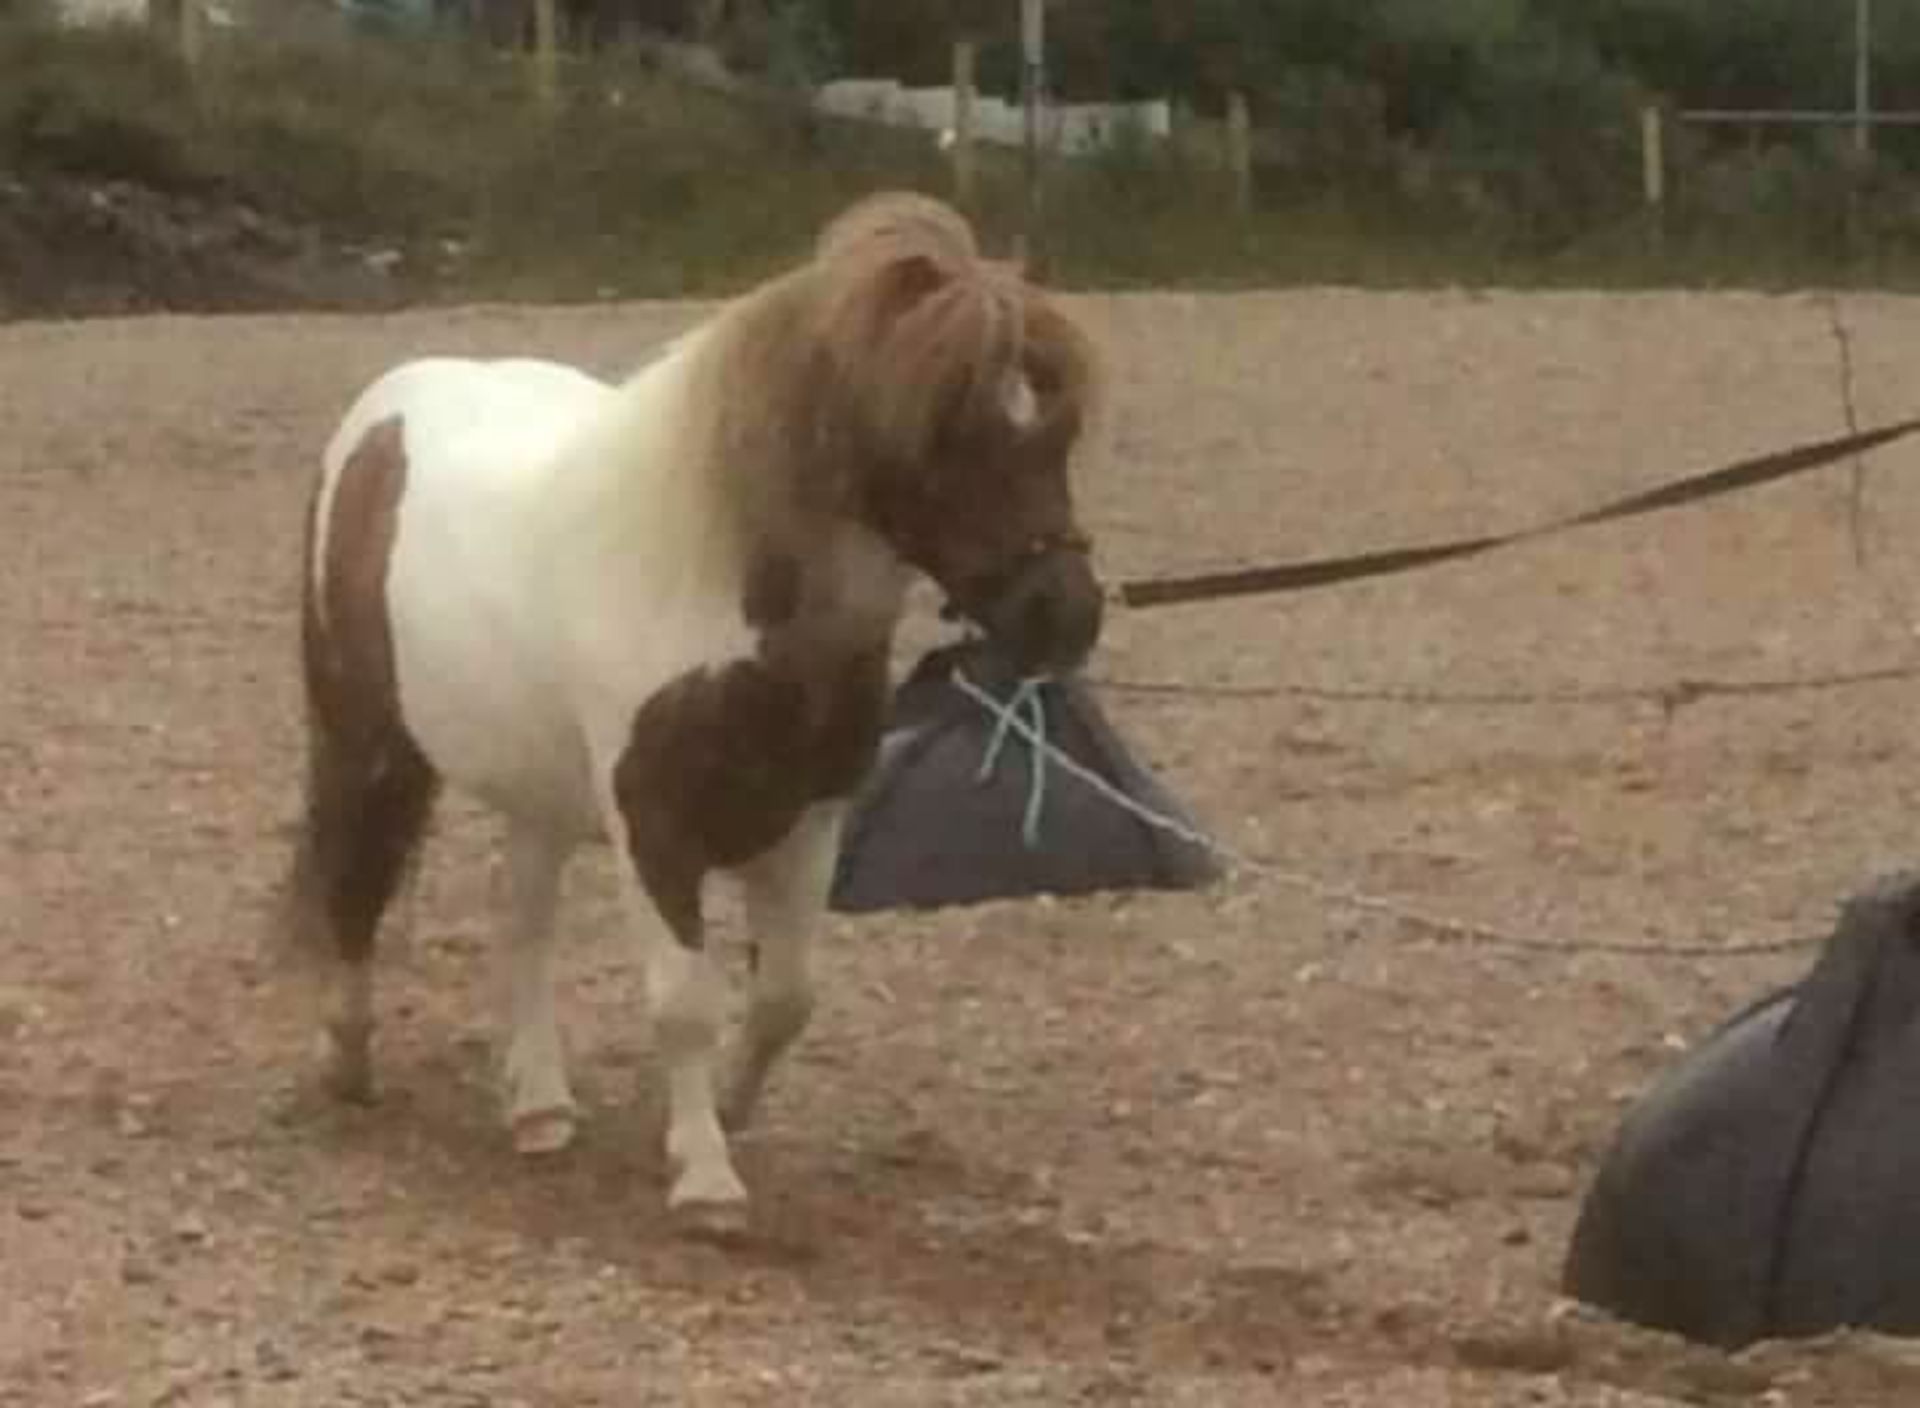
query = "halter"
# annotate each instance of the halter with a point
(1037, 550)
(1064, 540)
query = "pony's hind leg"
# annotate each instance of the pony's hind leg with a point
(539, 1104)
(367, 810)
(786, 895)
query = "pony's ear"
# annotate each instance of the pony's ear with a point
(911, 279)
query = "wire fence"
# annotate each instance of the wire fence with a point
(1668, 696)
(1010, 717)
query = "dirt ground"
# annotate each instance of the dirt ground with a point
(1250, 1146)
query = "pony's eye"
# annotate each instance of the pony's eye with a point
(1044, 377)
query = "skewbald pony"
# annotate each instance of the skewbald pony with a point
(662, 613)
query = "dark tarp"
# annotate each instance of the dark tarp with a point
(928, 830)
(1769, 1185)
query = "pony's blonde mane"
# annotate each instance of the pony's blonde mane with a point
(926, 335)
(895, 339)
(903, 216)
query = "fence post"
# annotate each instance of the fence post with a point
(1033, 49)
(181, 26)
(546, 53)
(963, 155)
(1240, 152)
(1863, 80)
(709, 17)
(1653, 174)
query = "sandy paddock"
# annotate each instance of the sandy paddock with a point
(1245, 1147)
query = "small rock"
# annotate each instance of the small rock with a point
(963, 1361)
(190, 1229)
(1546, 1182)
(273, 1363)
(31, 1211)
(17, 1012)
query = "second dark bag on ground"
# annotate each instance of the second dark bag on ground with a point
(1768, 1186)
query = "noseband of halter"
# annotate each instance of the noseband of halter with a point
(982, 605)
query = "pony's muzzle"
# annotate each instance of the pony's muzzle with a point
(1048, 617)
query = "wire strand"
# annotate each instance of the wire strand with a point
(1440, 926)
(1669, 696)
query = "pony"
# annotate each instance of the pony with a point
(657, 614)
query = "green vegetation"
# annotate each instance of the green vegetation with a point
(1402, 141)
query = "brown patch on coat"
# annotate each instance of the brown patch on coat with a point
(721, 763)
(369, 788)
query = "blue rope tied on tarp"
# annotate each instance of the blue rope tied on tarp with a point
(1027, 699)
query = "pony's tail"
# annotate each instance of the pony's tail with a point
(290, 933)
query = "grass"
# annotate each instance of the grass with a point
(640, 184)
(645, 185)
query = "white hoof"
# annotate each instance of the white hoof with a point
(347, 1065)
(709, 1222)
(541, 1132)
(708, 1203)
(538, 1105)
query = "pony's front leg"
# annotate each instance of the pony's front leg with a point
(686, 993)
(786, 894)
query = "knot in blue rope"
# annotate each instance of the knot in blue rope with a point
(1029, 700)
